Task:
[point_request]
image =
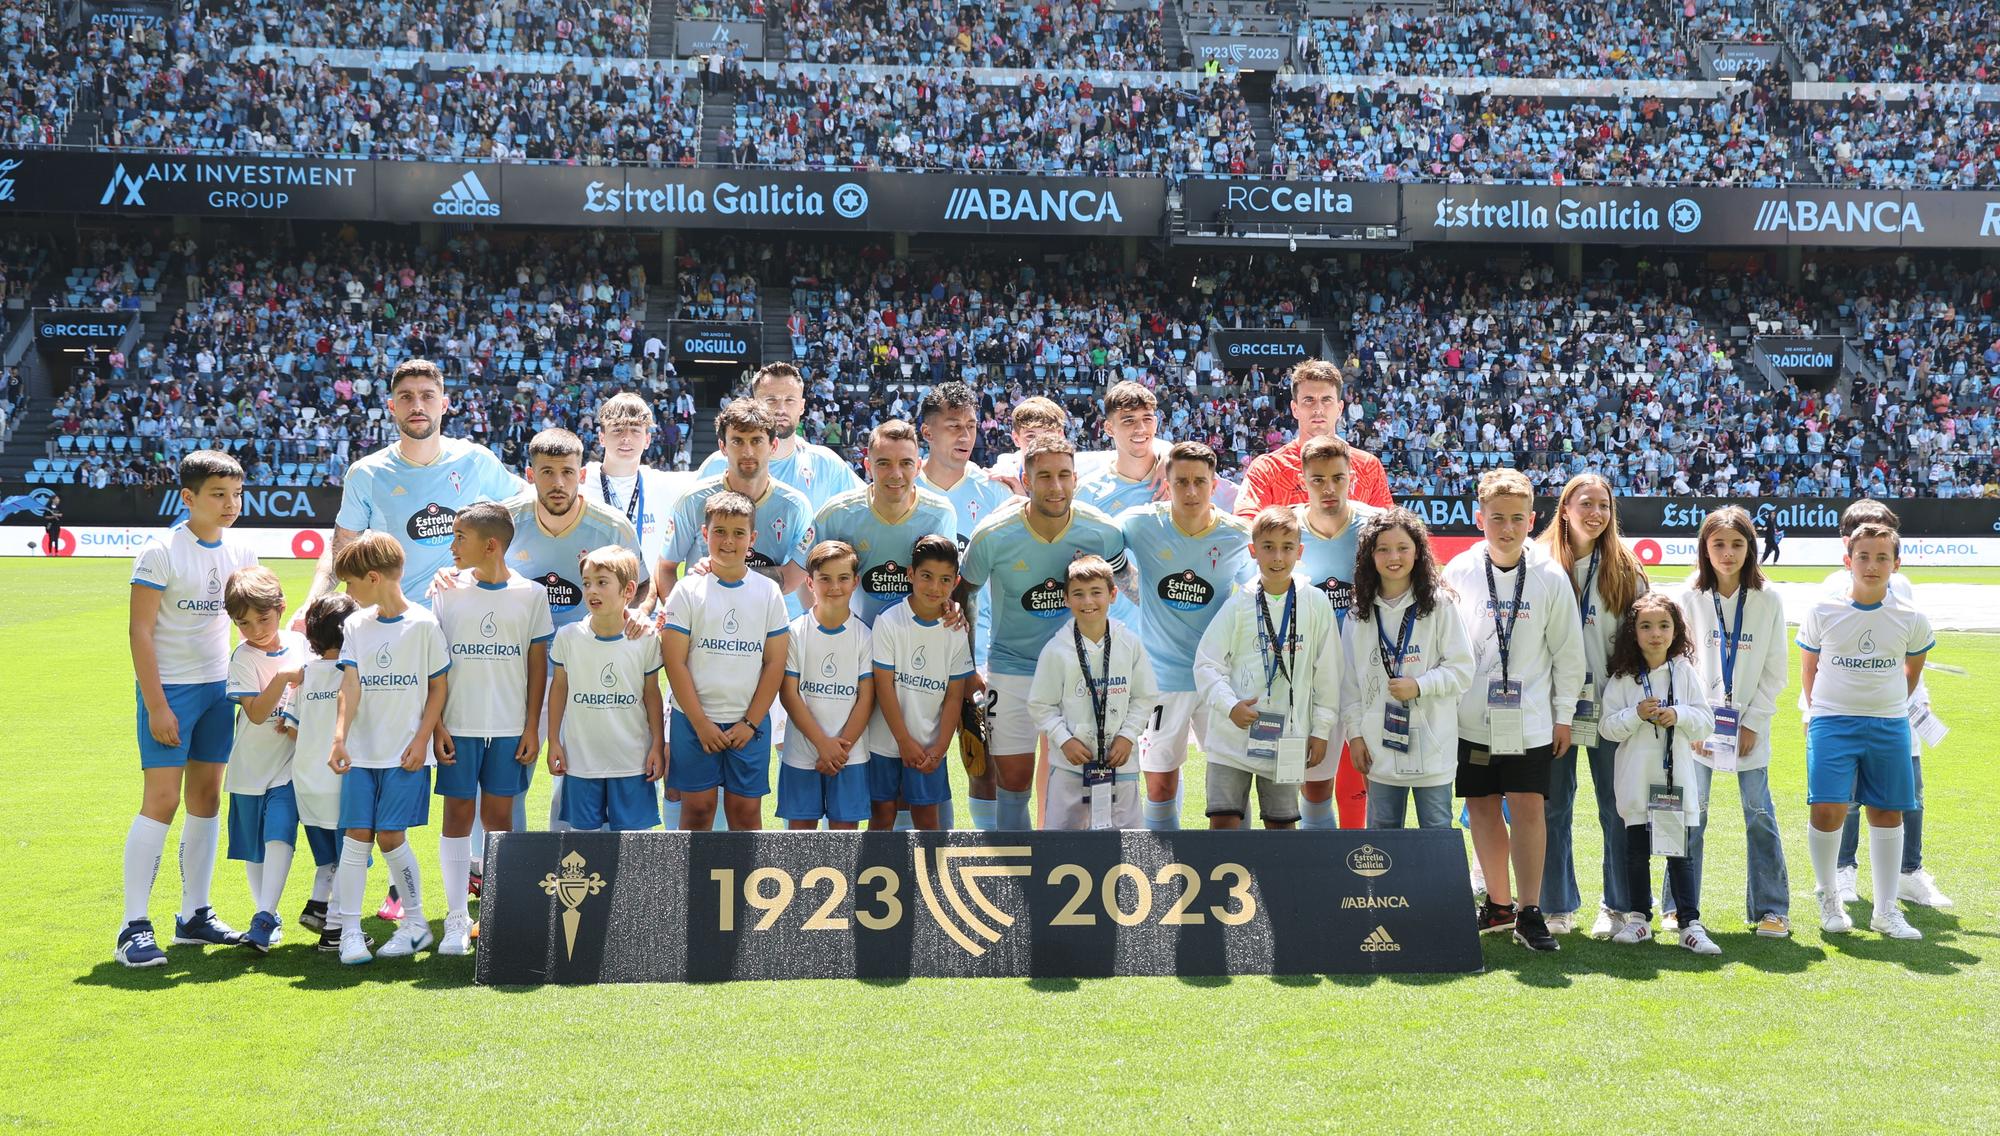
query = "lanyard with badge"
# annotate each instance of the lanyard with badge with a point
(1583, 728)
(1399, 736)
(1665, 802)
(635, 505)
(1724, 744)
(1506, 736)
(1278, 647)
(1098, 779)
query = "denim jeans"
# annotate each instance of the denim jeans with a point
(1559, 889)
(1386, 805)
(1913, 830)
(1767, 885)
(1639, 870)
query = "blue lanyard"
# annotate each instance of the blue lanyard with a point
(1503, 633)
(1646, 684)
(1589, 601)
(635, 505)
(1275, 645)
(1392, 657)
(1099, 692)
(1732, 642)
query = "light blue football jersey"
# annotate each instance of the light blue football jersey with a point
(975, 498)
(551, 560)
(1026, 578)
(784, 532)
(1112, 495)
(815, 471)
(884, 547)
(1184, 580)
(1329, 563)
(416, 504)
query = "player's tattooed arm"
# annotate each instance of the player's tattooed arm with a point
(1127, 576)
(323, 582)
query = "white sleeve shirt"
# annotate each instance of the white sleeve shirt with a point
(1061, 705)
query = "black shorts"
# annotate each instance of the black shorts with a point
(1515, 773)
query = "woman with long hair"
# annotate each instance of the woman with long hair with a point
(1584, 541)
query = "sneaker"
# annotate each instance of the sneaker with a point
(1695, 938)
(1532, 931)
(1892, 924)
(1833, 917)
(391, 910)
(472, 883)
(410, 937)
(354, 947)
(204, 929)
(1774, 926)
(1846, 879)
(457, 935)
(137, 947)
(1562, 923)
(263, 932)
(1635, 929)
(1919, 888)
(1670, 921)
(314, 916)
(1494, 917)
(329, 939)
(1605, 925)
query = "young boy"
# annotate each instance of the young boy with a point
(1269, 670)
(497, 632)
(1915, 883)
(1513, 721)
(921, 668)
(1863, 655)
(722, 625)
(180, 660)
(392, 694)
(605, 731)
(828, 695)
(263, 810)
(313, 711)
(1092, 694)
(1336, 795)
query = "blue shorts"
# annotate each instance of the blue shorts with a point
(808, 794)
(256, 820)
(385, 800)
(1864, 760)
(208, 725)
(626, 804)
(890, 780)
(742, 772)
(324, 843)
(483, 765)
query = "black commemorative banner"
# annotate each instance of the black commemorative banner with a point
(708, 341)
(1243, 52)
(713, 907)
(264, 506)
(1803, 356)
(1726, 59)
(1239, 349)
(1268, 201)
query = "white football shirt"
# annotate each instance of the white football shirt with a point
(395, 658)
(830, 665)
(191, 638)
(1861, 649)
(604, 726)
(488, 629)
(728, 625)
(261, 756)
(314, 708)
(924, 658)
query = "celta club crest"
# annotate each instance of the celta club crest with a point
(729, 624)
(827, 668)
(571, 887)
(606, 679)
(1214, 555)
(457, 480)
(384, 659)
(778, 529)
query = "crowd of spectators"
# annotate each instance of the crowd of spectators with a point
(1580, 39)
(1937, 140)
(600, 29)
(38, 85)
(935, 119)
(1083, 34)
(1426, 134)
(1916, 41)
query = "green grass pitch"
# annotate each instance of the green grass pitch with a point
(1843, 1033)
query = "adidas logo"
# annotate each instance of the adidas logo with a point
(466, 198)
(1378, 941)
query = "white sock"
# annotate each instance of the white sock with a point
(1825, 849)
(670, 811)
(455, 858)
(1012, 809)
(277, 866)
(1162, 816)
(983, 812)
(255, 874)
(556, 822)
(198, 837)
(353, 880)
(904, 822)
(1885, 864)
(1317, 815)
(475, 846)
(145, 843)
(403, 869)
(323, 882)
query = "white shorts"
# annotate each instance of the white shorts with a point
(1163, 748)
(1328, 769)
(1068, 808)
(1010, 728)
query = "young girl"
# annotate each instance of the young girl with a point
(1584, 540)
(1738, 630)
(316, 785)
(1408, 660)
(1655, 710)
